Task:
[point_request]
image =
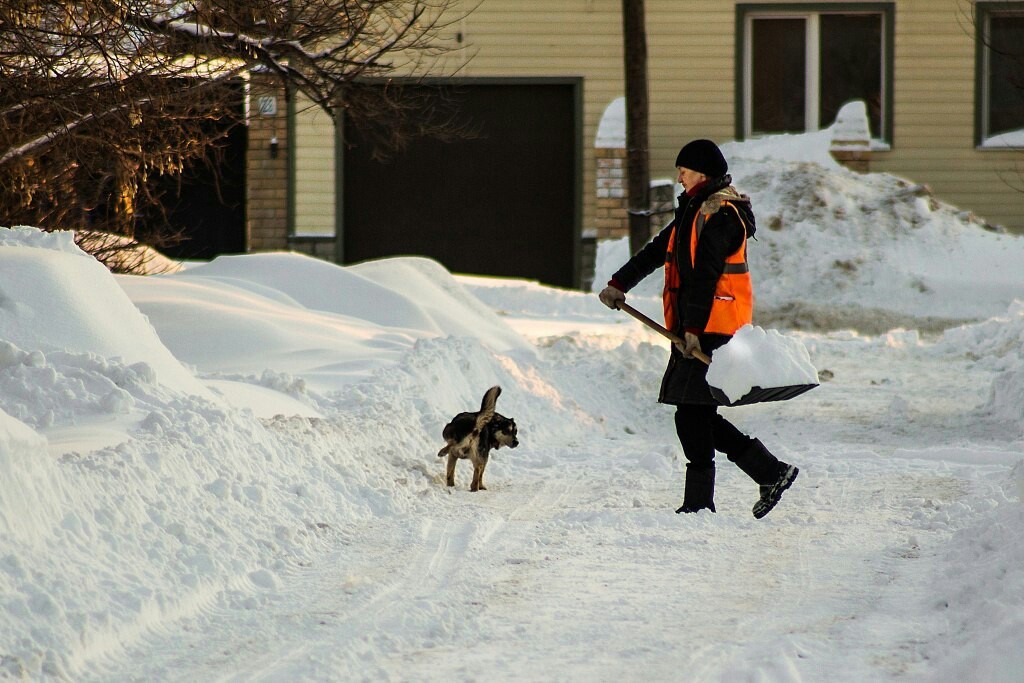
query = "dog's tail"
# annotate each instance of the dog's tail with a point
(487, 407)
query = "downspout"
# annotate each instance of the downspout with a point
(339, 186)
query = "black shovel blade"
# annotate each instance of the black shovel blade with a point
(762, 395)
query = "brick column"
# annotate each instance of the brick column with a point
(267, 168)
(611, 217)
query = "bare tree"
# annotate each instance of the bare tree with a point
(100, 98)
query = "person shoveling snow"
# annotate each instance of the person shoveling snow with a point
(755, 366)
(708, 297)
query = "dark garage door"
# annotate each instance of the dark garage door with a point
(502, 202)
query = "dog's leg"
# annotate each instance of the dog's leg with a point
(475, 484)
(450, 469)
(479, 463)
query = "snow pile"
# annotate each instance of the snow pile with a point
(758, 358)
(852, 130)
(835, 249)
(135, 493)
(55, 296)
(252, 491)
(23, 475)
(997, 343)
(35, 385)
(298, 316)
(807, 149)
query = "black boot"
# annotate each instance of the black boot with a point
(771, 474)
(699, 490)
(774, 492)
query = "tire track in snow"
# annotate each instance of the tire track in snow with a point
(449, 595)
(370, 604)
(449, 579)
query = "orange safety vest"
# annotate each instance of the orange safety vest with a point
(733, 306)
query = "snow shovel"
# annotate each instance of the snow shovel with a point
(755, 395)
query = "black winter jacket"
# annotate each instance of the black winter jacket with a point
(685, 378)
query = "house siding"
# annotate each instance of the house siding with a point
(314, 170)
(691, 70)
(934, 115)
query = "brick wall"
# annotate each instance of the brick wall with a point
(612, 201)
(267, 169)
(610, 216)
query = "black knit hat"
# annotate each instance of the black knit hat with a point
(703, 156)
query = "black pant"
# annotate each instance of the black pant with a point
(702, 431)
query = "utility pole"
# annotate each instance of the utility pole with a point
(634, 35)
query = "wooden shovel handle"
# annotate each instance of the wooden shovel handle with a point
(671, 336)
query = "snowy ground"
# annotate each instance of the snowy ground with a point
(228, 473)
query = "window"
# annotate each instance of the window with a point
(1000, 69)
(798, 64)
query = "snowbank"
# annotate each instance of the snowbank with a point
(188, 460)
(997, 343)
(302, 317)
(23, 472)
(54, 296)
(166, 496)
(835, 249)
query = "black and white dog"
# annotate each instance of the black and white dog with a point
(473, 435)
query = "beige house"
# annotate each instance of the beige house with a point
(943, 107)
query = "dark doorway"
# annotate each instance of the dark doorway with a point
(504, 201)
(208, 210)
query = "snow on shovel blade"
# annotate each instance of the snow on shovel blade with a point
(758, 365)
(755, 394)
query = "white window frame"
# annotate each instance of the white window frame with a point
(812, 15)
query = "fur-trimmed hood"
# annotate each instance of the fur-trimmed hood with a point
(717, 191)
(741, 202)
